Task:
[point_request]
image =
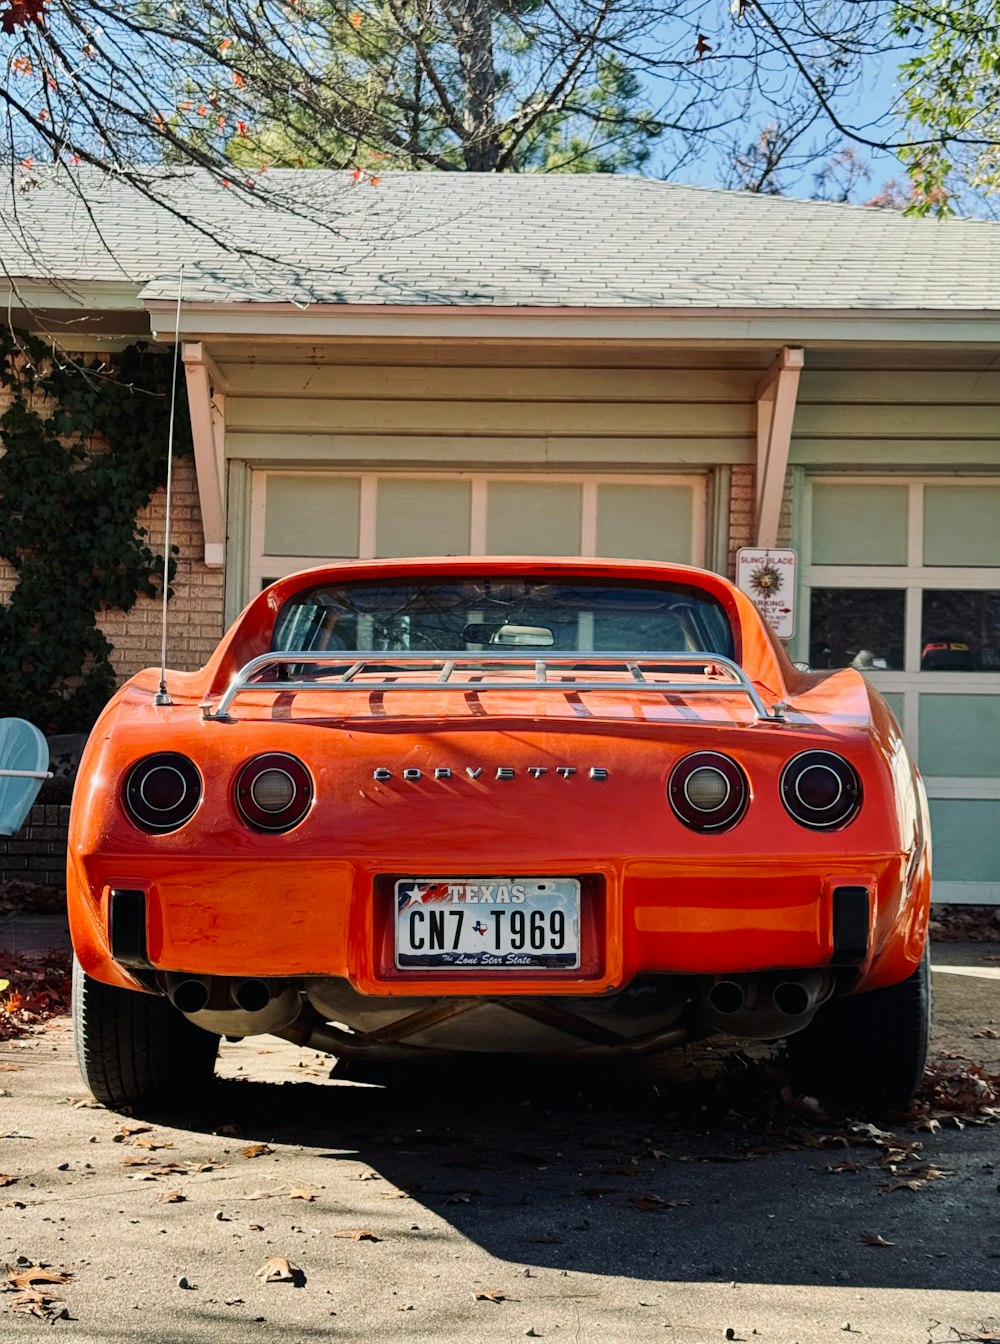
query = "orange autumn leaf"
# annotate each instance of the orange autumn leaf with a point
(237, 79)
(355, 20)
(225, 44)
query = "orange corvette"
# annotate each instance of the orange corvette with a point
(576, 807)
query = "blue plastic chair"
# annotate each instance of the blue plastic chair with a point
(24, 764)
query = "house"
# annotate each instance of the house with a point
(462, 363)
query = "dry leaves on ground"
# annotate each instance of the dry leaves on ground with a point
(31, 1286)
(172, 1197)
(960, 1092)
(654, 1204)
(256, 1150)
(874, 1239)
(492, 1295)
(296, 1193)
(38, 988)
(279, 1270)
(357, 1234)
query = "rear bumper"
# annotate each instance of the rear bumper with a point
(304, 917)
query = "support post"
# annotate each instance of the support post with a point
(206, 403)
(777, 392)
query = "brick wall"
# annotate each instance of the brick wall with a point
(37, 854)
(195, 612)
(742, 512)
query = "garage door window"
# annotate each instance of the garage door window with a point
(902, 580)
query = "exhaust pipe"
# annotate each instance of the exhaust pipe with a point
(189, 995)
(761, 1007)
(803, 994)
(727, 997)
(251, 996)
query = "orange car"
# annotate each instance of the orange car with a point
(576, 807)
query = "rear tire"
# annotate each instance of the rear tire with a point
(867, 1051)
(136, 1049)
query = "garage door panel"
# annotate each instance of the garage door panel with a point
(533, 518)
(965, 833)
(644, 522)
(312, 515)
(415, 517)
(960, 735)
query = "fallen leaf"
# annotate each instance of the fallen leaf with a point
(893, 1186)
(133, 1160)
(256, 1150)
(306, 1195)
(128, 1130)
(8, 1180)
(35, 1274)
(648, 1203)
(357, 1234)
(151, 1145)
(874, 1239)
(279, 1270)
(167, 1169)
(844, 1167)
(172, 1197)
(492, 1295)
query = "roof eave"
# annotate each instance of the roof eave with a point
(214, 320)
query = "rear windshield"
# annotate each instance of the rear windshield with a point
(481, 613)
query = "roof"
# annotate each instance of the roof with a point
(593, 241)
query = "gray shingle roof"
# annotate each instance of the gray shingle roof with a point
(458, 239)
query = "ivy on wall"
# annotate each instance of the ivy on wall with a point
(84, 449)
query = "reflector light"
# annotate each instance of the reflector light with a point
(273, 792)
(161, 792)
(708, 791)
(820, 790)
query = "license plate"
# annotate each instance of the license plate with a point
(488, 923)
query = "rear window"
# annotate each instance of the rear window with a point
(474, 614)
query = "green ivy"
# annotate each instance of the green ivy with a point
(73, 477)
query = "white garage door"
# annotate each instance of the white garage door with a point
(299, 519)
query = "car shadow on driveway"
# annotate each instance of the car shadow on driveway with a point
(696, 1171)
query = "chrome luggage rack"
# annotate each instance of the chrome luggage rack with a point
(489, 671)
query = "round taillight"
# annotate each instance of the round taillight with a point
(820, 790)
(273, 792)
(161, 792)
(708, 791)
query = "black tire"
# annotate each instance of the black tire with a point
(867, 1051)
(136, 1049)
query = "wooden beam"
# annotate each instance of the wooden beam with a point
(206, 404)
(777, 392)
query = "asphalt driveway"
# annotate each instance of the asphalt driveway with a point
(682, 1203)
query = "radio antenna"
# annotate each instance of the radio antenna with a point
(162, 696)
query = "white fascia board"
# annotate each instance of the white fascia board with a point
(484, 323)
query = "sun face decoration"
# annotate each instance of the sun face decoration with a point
(766, 579)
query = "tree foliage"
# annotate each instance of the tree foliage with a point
(487, 85)
(951, 97)
(85, 448)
